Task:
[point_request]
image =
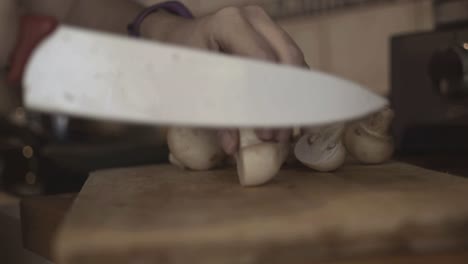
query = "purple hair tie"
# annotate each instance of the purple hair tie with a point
(173, 7)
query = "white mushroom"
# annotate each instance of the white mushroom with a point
(321, 148)
(175, 162)
(369, 140)
(194, 148)
(258, 161)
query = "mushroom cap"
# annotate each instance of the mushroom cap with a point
(321, 149)
(194, 148)
(367, 148)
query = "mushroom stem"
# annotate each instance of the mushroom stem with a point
(257, 161)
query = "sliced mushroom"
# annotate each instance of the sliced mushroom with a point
(321, 148)
(194, 148)
(369, 140)
(258, 162)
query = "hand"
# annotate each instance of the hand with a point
(246, 31)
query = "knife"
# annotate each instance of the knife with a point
(85, 73)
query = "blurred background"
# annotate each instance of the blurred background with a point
(388, 46)
(413, 51)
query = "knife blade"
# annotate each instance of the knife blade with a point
(98, 75)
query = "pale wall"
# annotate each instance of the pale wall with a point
(355, 44)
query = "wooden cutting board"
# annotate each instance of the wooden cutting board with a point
(160, 214)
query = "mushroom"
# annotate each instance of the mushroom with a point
(321, 148)
(369, 140)
(175, 161)
(258, 161)
(194, 148)
(291, 159)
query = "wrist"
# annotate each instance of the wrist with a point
(159, 25)
(173, 7)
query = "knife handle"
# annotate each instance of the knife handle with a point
(33, 29)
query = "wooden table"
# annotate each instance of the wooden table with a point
(160, 214)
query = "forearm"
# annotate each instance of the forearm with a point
(114, 15)
(58, 9)
(105, 15)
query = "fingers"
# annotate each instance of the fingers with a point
(265, 134)
(286, 50)
(250, 32)
(279, 135)
(233, 34)
(229, 140)
(283, 135)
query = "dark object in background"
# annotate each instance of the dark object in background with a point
(450, 13)
(35, 161)
(429, 84)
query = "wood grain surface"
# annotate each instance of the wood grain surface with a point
(161, 214)
(40, 217)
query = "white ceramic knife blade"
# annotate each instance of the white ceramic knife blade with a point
(99, 75)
